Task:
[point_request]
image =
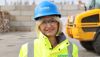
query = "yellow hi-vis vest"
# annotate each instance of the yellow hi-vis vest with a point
(42, 48)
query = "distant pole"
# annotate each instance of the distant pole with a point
(21, 7)
(5, 2)
(20, 2)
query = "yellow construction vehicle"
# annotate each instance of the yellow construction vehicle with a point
(86, 27)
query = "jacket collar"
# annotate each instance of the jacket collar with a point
(46, 41)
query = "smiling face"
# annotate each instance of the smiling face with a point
(49, 26)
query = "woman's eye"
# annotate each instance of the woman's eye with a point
(53, 21)
(44, 21)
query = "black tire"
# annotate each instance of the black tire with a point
(88, 45)
(96, 44)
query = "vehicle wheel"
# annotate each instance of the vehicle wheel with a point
(96, 44)
(88, 45)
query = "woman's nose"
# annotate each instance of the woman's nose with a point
(48, 25)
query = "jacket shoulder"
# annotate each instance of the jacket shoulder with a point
(36, 41)
(23, 50)
(75, 50)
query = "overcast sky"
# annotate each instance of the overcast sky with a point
(75, 1)
(2, 2)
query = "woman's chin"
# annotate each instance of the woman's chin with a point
(50, 34)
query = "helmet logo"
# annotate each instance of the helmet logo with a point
(45, 8)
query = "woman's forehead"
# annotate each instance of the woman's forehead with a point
(48, 17)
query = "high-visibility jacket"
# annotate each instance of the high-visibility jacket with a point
(41, 47)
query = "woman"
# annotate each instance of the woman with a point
(51, 42)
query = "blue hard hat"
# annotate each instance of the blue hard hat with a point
(45, 8)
